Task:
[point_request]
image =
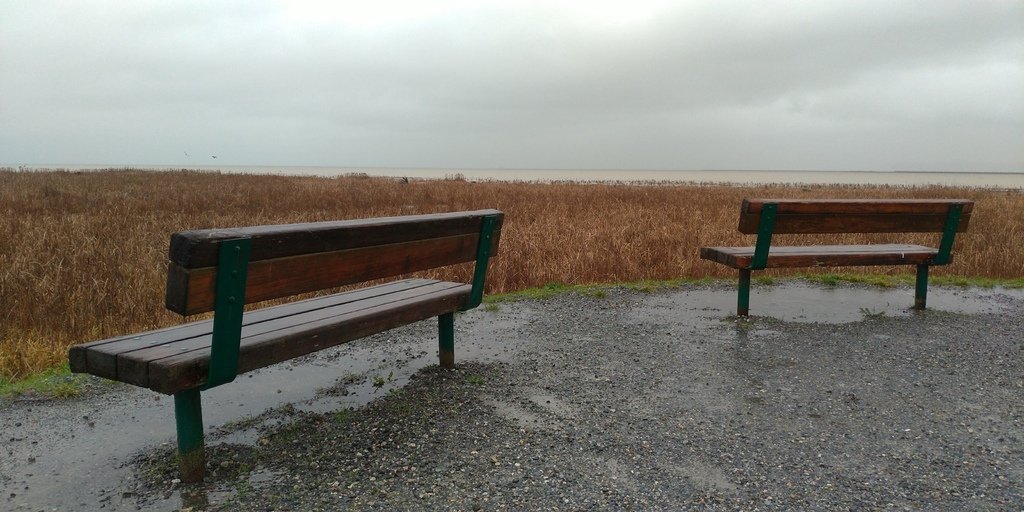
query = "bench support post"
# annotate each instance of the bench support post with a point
(921, 288)
(483, 255)
(188, 415)
(446, 340)
(765, 229)
(232, 271)
(743, 295)
(948, 234)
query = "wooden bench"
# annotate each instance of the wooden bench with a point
(766, 217)
(221, 270)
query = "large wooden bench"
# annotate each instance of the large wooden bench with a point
(767, 217)
(221, 270)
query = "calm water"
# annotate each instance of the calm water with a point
(957, 179)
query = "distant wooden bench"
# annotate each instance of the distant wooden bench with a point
(766, 217)
(221, 270)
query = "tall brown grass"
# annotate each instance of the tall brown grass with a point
(82, 254)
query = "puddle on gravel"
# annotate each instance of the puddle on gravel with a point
(804, 302)
(76, 454)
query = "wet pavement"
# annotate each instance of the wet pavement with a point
(80, 454)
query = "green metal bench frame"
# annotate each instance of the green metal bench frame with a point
(766, 228)
(232, 265)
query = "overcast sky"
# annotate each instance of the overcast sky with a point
(868, 85)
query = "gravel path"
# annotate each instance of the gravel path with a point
(655, 401)
(614, 403)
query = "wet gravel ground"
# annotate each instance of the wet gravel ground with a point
(623, 402)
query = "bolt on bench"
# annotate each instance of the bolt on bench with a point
(221, 270)
(766, 217)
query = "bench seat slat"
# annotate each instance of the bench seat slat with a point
(307, 326)
(134, 366)
(824, 255)
(100, 357)
(190, 369)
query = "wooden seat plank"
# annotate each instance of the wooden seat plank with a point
(824, 255)
(190, 369)
(132, 366)
(100, 357)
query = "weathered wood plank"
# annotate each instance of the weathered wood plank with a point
(891, 206)
(854, 215)
(189, 369)
(133, 366)
(197, 249)
(100, 357)
(852, 223)
(193, 291)
(824, 255)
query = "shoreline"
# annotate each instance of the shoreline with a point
(1005, 180)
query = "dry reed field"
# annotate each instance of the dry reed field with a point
(82, 254)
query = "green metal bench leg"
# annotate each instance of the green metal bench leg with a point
(743, 302)
(921, 290)
(446, 339)
(188, 415)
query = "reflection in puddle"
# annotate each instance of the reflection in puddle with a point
(94, 453)
(804, 302)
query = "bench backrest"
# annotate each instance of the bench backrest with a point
(846, 215)
(767, 217)
(289, 259)
(855, 215)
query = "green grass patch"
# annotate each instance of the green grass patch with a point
(598, 290)
(870, 313)
(977, 282)
(883, 281)
(545, 292)
(342, 416)
(56, 382)
(889, 281)
(650, 285)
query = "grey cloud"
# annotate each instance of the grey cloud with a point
(865, 85)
